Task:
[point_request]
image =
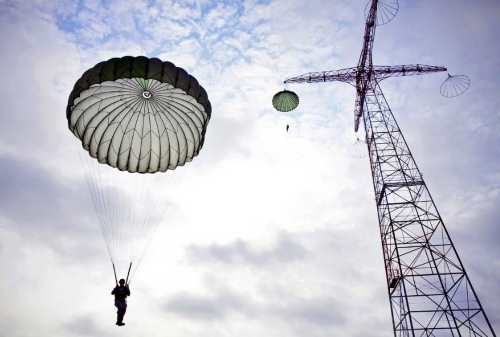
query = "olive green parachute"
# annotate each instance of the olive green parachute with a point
(285, 101)
(139, 114)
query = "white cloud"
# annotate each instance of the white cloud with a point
(252, 181)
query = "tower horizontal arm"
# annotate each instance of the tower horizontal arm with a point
(382, 72)
(347, 75)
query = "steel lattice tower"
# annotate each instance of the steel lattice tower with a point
(429, 291)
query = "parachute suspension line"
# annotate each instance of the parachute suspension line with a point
(142, 226)
(114, 271)
(151, 233)
(146, 224)
(110, 208)
(141, 251)
(97, 200)
(106, 211)
(145, 248)
(141, 217)
(108, 224)
(128, 273)
(94, 195)
(100, 219)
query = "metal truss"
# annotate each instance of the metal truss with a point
(429, 291)
(360, 75)
(349, 75)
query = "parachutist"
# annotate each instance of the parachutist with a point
(121, 292)
(287, 127)
(123, 95)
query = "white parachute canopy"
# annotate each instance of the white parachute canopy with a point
(136, 117)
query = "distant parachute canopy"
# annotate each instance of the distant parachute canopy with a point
(455, 85)
(386, 11)
(285, 101)
(139, 114)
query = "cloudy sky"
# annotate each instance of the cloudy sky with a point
(264, 233)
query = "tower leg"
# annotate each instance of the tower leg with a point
(430, 293)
